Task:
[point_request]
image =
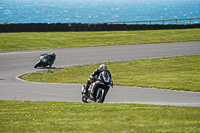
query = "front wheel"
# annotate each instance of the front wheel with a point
(37, 64)
(101, 94)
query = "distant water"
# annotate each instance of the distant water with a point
(96, 11)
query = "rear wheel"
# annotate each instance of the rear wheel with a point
(49, 63)
(84, 99)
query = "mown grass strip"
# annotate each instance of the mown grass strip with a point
(45, 40)
(27, 116)
(174, 73)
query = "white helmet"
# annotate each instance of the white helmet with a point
(102, 67)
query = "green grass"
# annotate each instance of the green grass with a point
(27, 116)
(174, 73)
(45, 40)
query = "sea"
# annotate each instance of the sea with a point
(97, 11)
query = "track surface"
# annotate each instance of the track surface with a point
(15, 63)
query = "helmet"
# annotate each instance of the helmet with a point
(102, 67)
(53, 54)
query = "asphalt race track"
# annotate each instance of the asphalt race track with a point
(15, 63)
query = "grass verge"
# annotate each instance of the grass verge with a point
(45, 40)
(174, 73)
(27, 116)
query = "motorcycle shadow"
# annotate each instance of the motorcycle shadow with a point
(47, 68)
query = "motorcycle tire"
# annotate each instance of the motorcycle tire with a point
(100, 96)
(49, 64)
(84, 99)
(37, 64)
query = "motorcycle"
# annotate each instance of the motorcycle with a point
(44, 61)
(103, 83)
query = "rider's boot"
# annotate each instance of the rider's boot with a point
(87, 86)
(85, 92)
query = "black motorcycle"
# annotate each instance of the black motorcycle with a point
(44, 61)
(103, 83)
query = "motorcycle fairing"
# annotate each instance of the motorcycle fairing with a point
(44, 58)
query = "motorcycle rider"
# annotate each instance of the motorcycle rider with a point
(52, 58)
(91, 79)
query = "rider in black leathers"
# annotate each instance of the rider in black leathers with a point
(92, 78)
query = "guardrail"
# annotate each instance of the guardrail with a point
(173, 21)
